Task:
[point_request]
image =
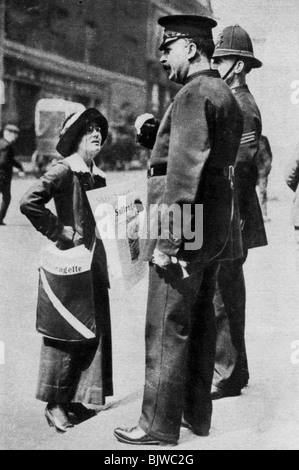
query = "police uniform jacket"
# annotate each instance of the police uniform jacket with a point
(246, 171)
(7, 162)
(197, 140)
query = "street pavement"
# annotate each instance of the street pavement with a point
(265, 417)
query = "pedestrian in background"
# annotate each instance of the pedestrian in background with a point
(7, 163)
(191, 163)
(264, 165)
(72, 373)
(292, 180)
(234, 59)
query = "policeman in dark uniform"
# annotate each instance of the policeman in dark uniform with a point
(7, 162)
(234, 59)
(191, 163)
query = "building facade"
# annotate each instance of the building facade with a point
(102, 53)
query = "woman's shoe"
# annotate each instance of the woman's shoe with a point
(57, 418)
(79, 413)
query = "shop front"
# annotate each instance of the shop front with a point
(25, 84)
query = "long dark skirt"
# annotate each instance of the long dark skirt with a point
(79, 372)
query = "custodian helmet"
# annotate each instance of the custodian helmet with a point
(235, 41)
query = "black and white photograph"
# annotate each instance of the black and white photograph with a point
(149, 227)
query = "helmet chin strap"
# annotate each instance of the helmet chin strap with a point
(230, 70)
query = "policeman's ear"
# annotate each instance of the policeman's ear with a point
(192, 51)
(239, 67)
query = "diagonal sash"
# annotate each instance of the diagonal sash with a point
(73, 321)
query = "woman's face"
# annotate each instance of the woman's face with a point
(90, 142)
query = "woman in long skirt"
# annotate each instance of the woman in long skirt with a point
(74, 373)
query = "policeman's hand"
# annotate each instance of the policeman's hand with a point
(161, 259)
(141, 120)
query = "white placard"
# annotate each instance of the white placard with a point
(118, 225)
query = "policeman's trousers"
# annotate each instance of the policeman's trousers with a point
(231, 366)
(180, 350)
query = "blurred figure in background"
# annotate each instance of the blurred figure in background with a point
(292, 180)
(7, 162)
(263, 161)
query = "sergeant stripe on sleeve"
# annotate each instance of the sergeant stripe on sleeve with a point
(248, 134)
(248, 137)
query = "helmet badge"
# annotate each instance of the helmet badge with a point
(219, 40)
